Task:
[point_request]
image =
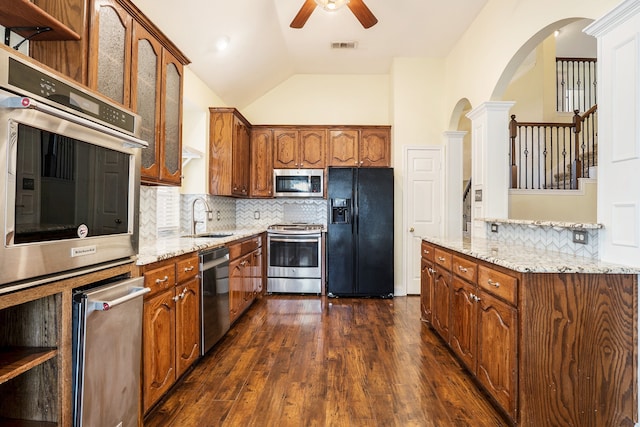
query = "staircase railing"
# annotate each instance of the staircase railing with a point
(576, 82)
(553, 155)
(466, 207)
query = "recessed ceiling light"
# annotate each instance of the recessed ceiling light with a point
(222, 43)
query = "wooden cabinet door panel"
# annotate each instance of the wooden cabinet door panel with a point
(343, 148)
(236, 284)
(285, 153)
(241, 152)
(497, 351)
(261, 163)
(463, 326)
(375, 148)
(313, 148)
(441, 302)
(158, 347)
(426, 289)
(187, 324)
(220, 153)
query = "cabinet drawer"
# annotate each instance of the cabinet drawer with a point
(497, 283)
(160, 278)
(186, 269)
(465, 268)
(239, 249)
(442, 258)
(427, 251)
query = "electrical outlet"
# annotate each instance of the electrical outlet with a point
(218, 216)
(256, 215)
(580, 236)
(494, 228)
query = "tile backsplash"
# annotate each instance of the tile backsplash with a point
(229, 213)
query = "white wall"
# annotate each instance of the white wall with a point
(308, 99)
(195, 130)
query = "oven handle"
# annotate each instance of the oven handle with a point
(292, 238)
(25, 102)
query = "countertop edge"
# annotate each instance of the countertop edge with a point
(170, 247)
(530, 260)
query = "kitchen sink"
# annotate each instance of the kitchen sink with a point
(209, 235)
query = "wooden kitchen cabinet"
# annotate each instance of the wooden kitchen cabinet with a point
(261, 176)
(171, 324)
(426, 282)
(229, 153)
(535, 341)
(302, 147)
(360, 147)
(245, 274)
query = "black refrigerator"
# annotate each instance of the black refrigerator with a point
(360, 232)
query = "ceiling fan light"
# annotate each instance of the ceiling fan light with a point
(331, 5)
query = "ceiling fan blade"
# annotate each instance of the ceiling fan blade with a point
(303, 14)
(362, 12)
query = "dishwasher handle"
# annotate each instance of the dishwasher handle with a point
(106, 305)
(214, 263)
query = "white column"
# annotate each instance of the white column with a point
(618, 34)
(489, 164)
(453, 184)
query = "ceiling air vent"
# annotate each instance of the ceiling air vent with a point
(344, 45)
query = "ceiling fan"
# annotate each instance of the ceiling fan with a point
(359, 9)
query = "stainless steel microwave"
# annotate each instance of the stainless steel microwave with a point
(298, 182)
(70, 180)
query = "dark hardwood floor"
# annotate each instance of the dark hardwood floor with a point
(310, 361)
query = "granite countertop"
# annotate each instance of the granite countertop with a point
(530, 260)
(165, 248)
(552, 224)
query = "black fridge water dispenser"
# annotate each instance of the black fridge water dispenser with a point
(340, 211)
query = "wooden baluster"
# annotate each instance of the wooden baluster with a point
(576, 166)
(513, 132)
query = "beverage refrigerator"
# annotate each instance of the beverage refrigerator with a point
(360, 232)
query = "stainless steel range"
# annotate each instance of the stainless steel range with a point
(295, 253)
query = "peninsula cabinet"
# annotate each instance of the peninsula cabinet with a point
(261, 176)
(360, 146)
(549, 348)
(303, 147)
(171, 324)
(229, 153)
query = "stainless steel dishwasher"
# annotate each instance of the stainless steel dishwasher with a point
(214, 281)
(107, 349)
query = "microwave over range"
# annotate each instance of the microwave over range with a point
(298, 182)
(70, 175)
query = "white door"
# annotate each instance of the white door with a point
(422, 206)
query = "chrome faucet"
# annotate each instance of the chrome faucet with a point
(194, 222)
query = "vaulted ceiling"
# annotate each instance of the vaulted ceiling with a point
(264, 51)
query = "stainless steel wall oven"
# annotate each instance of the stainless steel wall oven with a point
(70, 174)
(295, 253)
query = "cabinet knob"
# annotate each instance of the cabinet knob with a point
(492, 283)
(425, 251)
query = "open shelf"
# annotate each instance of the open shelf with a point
(18, 360)
(8, 422)
(23, 17)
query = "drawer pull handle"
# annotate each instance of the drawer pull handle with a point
(190, 268)
(441, 259)
(166, 278)
(461, 268)
(474, 297)
(431, 270)
(492, 283)
(426, 251)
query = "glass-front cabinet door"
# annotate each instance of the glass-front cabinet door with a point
(171, 152)
(146, 97)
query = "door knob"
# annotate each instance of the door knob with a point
(411, 230)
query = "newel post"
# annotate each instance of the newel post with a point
(576, 166)
(513, 133)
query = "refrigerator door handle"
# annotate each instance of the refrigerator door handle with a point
(106, 305)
